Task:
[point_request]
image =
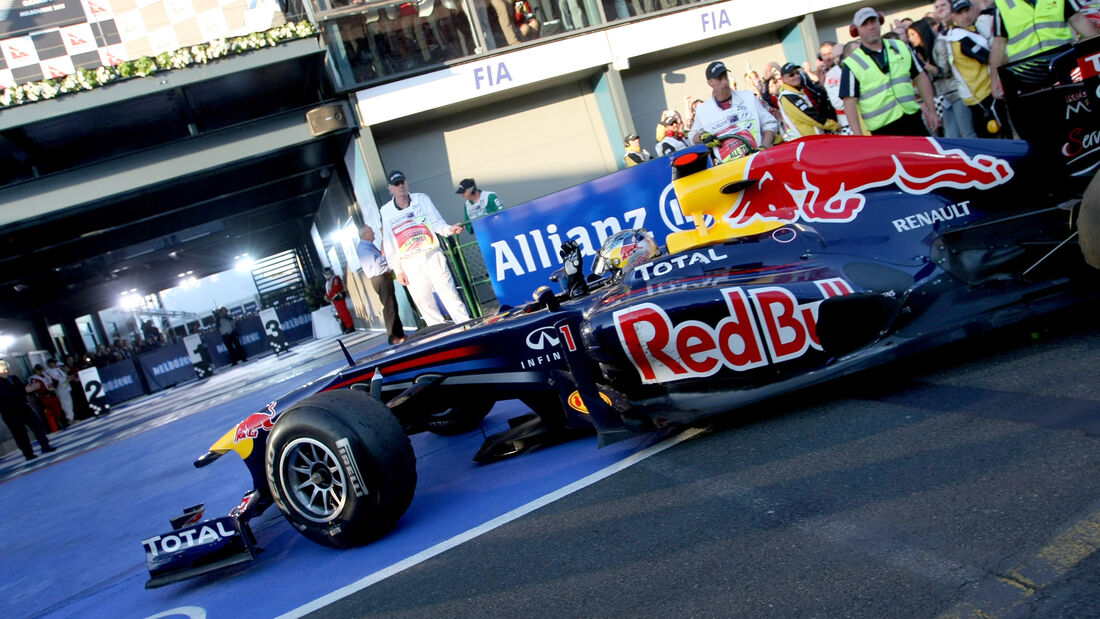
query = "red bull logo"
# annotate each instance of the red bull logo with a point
(766, 325)
(251, 426)
(823, 179)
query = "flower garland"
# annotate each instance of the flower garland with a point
(87, 79)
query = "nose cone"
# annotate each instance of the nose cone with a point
(716, 192)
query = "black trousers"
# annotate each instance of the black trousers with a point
(234, 348)
(18, 419)
(383, 285)
(909, 124)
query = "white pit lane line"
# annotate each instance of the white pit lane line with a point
(499, 521)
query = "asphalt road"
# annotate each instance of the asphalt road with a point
(963, 482)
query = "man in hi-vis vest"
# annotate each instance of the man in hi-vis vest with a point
(880, 83)
(1024, 28)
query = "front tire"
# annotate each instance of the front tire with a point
(340, 468)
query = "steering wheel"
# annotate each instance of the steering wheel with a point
(749, 148)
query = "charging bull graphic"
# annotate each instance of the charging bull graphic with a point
(823, 179)
(251, 426)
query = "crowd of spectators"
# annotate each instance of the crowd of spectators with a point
(950, 45)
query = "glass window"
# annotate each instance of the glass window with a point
(372, 41)
(401, 38)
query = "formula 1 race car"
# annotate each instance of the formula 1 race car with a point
(809, 260)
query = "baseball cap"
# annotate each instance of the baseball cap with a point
(396, 176)
(863, 15)
(716, 69)
(958, 6)
(465, 185)
(628, 138)
(789, 68)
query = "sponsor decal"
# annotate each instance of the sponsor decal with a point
(186, 538)
(567, 338)
(1080, 143)
(118, 383)
(541, 338)
(1077, 103)
(296, 321)
(250, 338)
(344, 447)
(538, 248)
(927, 218)
(251, 426)
(766, 325)
(488, 76)
(171, 365)
(806, 187)
(576, 403)
(540, 360)
(547, 338)
(716, 20)
(677, 262)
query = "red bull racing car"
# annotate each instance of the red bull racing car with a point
(809, 260)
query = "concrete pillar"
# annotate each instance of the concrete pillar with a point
(799, 40)
(614, 108)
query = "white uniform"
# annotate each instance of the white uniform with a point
(410, 242)
(832, 88)
(746, 116)
(63, 390)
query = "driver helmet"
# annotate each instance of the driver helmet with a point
(623, 251)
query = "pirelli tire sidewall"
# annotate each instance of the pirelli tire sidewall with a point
(365, 444)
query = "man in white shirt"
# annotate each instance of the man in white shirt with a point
(410, 225)
(61, 387)
(731, 112)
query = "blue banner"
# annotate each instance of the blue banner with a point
(166, 366)
(250, 331)
(121, 381)
(520, 244)
(219, 355)
(296, 320)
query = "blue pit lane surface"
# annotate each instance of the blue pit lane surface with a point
(73, 525)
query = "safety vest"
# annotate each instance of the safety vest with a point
(884, 98)
(1033, 29)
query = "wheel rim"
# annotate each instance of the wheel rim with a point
(313, 479)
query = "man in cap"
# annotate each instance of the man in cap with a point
(799, 112)
(478, 203)
(880, 81)
(969, 55)
(18, 416)
(635, 154)
(672, 137)
(731, 112)
(1024, 28)
(410, 228)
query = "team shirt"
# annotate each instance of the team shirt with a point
(410, 232)
(487, 203)
(742, 115)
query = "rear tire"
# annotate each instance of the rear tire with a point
(1088, 223)
(340, 468)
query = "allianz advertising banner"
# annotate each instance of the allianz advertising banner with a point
(520, 244)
